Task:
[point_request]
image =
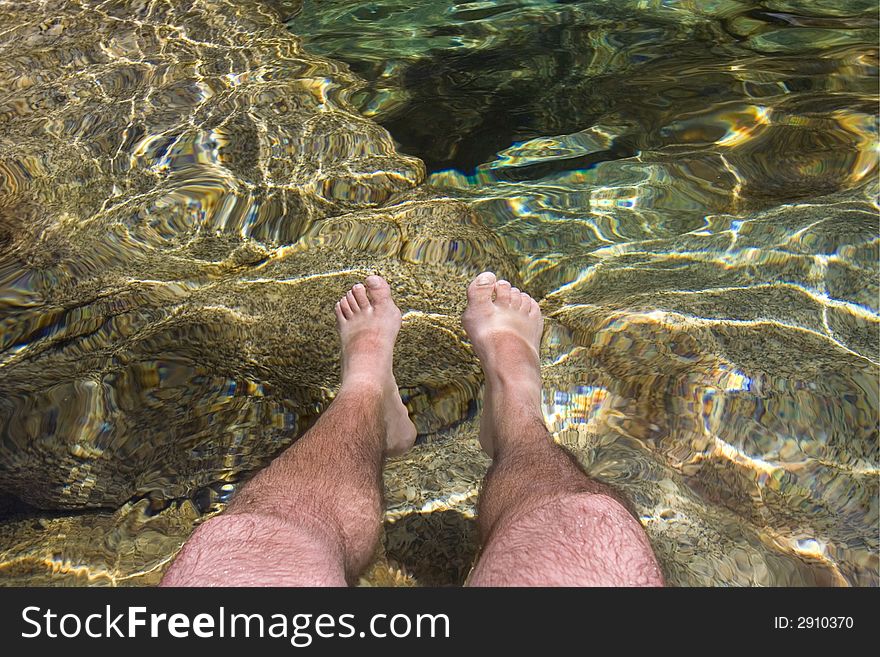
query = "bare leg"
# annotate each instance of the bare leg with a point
(314, 516)
(542, 520)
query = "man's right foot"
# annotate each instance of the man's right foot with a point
(505, 327)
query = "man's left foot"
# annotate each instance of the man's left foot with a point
(368, 323)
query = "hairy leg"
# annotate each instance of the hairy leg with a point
(313, 516)
(542, 520)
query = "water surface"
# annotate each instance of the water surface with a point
(689, 188)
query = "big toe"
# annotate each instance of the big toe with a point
(378, 289)
(481, 288)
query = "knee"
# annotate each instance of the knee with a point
(577, 539)
(238, 549)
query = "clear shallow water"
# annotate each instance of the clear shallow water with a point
(689, 188)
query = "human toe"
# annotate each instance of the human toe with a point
(360, 295)
(502, 293)
(481, 288)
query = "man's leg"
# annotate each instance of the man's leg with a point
(542, 520)
(314, 516)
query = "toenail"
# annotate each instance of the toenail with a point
(485, 278)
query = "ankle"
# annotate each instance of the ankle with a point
(361, 386)
(368, 363)
(514, 393)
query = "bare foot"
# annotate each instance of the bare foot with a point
(368, 323)
(505, 327)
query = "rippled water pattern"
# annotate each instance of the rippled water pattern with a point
(689, 188)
